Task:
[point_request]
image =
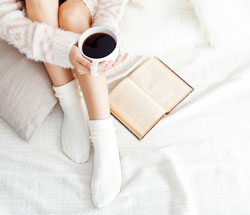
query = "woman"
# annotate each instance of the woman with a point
(40, 39)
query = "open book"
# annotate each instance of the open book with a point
(143, 98)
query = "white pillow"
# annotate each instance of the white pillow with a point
(26, 95)
(225, 23)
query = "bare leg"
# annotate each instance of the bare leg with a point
(74, 131)
(105, 184)
(75, 16)
(96, 96)
(46, 11)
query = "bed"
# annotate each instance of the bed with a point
(194, 161)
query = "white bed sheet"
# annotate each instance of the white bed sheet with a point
(194, 161)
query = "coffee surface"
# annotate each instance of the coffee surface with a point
(98, 45)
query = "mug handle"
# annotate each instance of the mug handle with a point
(94, 67)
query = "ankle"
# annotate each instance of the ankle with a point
(99, 116)
(63, 82)
(96, 126)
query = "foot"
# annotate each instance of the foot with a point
(74, 133)
(106, 179)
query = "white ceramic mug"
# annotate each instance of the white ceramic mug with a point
(95, 61)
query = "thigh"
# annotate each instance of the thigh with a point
(74, 16)
(45, 11)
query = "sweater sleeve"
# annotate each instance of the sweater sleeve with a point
(40, 42)
(109, 13)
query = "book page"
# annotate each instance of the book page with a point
(138, 111)
(161, 83)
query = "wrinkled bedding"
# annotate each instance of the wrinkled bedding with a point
(194, 161)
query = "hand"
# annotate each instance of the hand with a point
(80, 63)
(83, 65)
(107, 65)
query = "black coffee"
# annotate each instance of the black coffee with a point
(98, 45)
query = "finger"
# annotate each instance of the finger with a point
(124, 56)
(81, 69)
(103, 67)
(86, 67)
(120, 59)
(82, 60)
(117, 61)
(102, 71)
(108, 65)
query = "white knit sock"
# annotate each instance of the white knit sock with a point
(106, 179)
(74, 133)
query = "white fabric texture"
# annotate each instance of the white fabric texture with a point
(106, 179)
(38, 41)
(194, 161)
(91, 4)
(41, 42)
(224, 23)
(74, 133)
(22, 81)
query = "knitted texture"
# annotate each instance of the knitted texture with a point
(74, 133)
(106, 179)
(41, 42)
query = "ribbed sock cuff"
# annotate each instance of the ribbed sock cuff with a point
(66, 89)
(96, 126)
(68, 94)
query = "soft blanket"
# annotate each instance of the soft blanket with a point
(194, 161)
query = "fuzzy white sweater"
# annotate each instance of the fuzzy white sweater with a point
(41, 42)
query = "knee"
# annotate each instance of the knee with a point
(74, 16)
(42, 11)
